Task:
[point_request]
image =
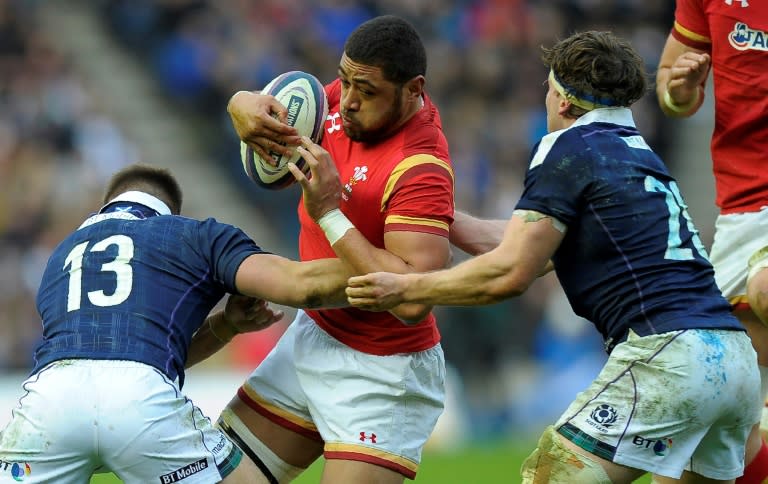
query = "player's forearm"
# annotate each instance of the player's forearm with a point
(206, 341)
(311, 284)
(364, 258)
(476, 236)
(681, 102)
(322, 283)
(478, 281)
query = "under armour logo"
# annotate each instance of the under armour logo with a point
(334, 126)
(744, 3)
(364, 437)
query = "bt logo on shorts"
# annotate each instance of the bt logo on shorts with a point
(658, 446)
(184, 472)
(18, 470)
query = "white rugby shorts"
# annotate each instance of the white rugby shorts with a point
(80, 417)
(376, 409)
(738, 237)
(682, 400)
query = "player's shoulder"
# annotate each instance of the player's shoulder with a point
(209, 236)
(423, 134)
(216, 228)
(427, 119)
(183, 227)
(554, 146)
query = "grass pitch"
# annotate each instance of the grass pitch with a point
(497, 463)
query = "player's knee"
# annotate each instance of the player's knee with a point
(554, 463)
(757, 283)
(274, 469)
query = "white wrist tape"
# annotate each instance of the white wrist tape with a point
(335, 224)
(681, 108)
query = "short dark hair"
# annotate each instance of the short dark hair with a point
(391, 44)
(158, 182)
(598, 65)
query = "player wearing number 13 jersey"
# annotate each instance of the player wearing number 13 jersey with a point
(123, 300)
(95, 303)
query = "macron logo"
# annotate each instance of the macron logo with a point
(184, 472)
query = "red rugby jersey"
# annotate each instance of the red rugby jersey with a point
(735, 33)
(402, 183)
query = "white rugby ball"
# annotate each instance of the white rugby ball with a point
(304, 98)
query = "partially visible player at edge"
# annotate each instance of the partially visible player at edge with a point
(363, 389)
(123, 302)
(679, 392)
(732, 38)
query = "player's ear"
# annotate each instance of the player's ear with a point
(414, 87)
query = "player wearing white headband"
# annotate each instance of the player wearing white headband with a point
(680, 390)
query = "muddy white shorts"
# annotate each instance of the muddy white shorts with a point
(376, 409)
(78, 417)
(738, 237)
(683, 400)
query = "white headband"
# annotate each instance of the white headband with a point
(144, 199)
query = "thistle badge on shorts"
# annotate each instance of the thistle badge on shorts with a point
(604, 415)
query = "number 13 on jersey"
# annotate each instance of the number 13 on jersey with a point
(120, 265)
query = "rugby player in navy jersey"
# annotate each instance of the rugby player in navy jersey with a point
(125, 302)
(680, 390)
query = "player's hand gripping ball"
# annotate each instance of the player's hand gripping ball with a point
(304, 98)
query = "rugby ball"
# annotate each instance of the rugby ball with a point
(304, 98)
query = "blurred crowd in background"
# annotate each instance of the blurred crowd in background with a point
(58, 146)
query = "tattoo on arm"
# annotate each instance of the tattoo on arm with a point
(534, 216)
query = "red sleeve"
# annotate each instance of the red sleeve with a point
(419, 196)
(691, 27)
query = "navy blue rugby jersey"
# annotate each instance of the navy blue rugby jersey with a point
(133, 285)
(631, 256)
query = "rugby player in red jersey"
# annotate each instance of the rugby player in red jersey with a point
(362, 389)
(730, 39)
